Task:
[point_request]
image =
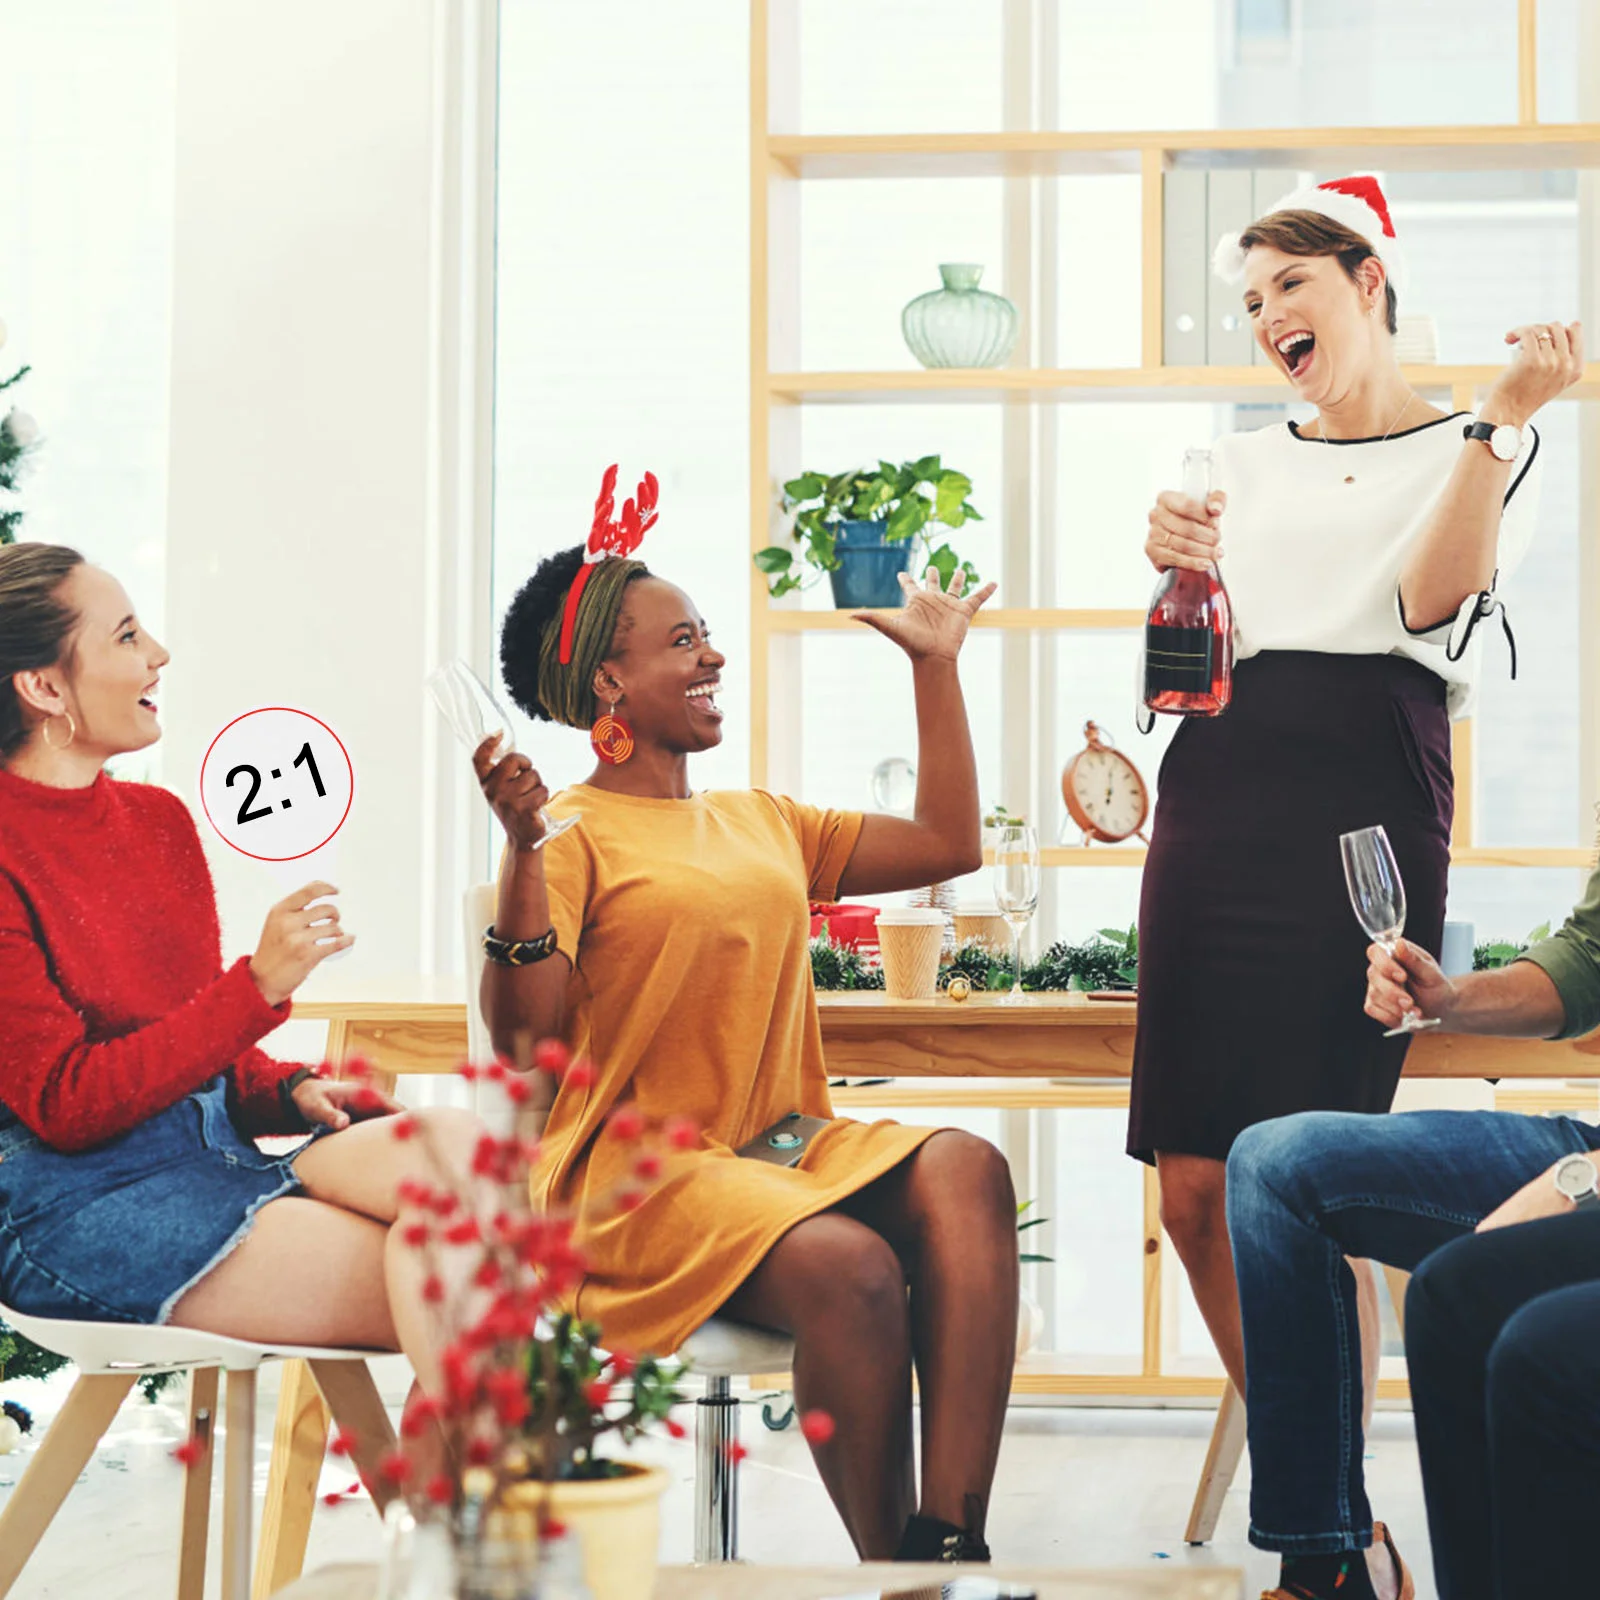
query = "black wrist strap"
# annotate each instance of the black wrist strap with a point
(286, 1089)
(518, 952)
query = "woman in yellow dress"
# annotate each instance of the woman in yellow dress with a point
(680, 968)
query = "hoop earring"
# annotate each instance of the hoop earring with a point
(611, 737)
(72, 731)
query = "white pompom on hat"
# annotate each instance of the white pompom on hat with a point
(1356, 202)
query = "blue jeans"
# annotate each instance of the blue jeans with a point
(1505, 1380)
(1304, 1192)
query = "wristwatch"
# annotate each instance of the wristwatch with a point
(1502, 439)
(1576, 1178)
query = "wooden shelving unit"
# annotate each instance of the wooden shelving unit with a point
(783, 160)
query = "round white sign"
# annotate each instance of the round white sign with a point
(276, 783)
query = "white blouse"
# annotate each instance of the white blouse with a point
(1316, 533)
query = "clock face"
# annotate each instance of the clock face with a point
(1110, 791)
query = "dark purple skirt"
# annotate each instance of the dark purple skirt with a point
(1252, 966)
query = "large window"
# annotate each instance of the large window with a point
(86, 101)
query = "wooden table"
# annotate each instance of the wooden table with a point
(419, 1025)
(739, 1581)
(1047, 1051)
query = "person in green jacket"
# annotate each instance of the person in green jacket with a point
(1498, 1217)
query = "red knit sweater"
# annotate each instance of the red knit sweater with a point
(113, 1000)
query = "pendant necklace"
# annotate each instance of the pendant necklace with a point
(1405, 406)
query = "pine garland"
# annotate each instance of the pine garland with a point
(1110, 960)
(12, 454)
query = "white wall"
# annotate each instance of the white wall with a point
(300, 558)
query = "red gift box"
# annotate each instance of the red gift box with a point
(856, 926)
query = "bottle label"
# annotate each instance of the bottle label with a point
(1177, 660)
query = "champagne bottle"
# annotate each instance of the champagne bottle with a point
(1188, 634)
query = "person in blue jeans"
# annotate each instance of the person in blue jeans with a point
(1499, 1218)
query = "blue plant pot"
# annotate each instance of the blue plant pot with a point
(868, 577)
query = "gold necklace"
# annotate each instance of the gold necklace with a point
(1405, 406)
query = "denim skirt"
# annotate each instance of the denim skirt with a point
(119, 1232)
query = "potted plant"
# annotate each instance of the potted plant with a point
(528, 1393)
(1030, 1314)
(865, 527)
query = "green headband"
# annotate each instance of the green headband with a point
(567, 692)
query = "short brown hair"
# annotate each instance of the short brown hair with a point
(35, 624)
(1309, 233)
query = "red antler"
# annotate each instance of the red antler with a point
(621, 537)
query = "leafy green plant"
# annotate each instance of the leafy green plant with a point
(1502, 952)
(911, 500)
(572, 1400)
(999, 817)
(1022, 1227)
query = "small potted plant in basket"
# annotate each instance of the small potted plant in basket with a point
(865, 527)
(528, 1393)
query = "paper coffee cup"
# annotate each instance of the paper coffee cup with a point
(910, 939)
(982, 925)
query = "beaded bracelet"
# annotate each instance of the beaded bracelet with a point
(518, 952)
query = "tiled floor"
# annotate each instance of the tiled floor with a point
(1076, 1487)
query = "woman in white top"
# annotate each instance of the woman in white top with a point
(1352, 545)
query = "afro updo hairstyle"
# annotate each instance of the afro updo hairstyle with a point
(536, 607)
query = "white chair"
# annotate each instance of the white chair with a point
(719, 1351)
(110, 1358)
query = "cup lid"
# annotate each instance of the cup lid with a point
(912, 917)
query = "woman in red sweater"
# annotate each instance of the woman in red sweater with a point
(131, 1088)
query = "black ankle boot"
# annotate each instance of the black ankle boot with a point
(929, 1539)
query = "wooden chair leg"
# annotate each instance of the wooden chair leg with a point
(1397, 1279)
(299, 1442)
(238, 1484)
(352, 1396)
(197, 1486)
(1222, 1462)
(68, 1443)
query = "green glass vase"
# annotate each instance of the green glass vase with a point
(960, 325)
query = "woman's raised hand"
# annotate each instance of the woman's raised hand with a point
(1548, 360)
(297, 936)
(515, 792)
(935, 619)
(1183, 531)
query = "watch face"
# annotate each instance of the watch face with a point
(1505, 441)
(1576, 1176)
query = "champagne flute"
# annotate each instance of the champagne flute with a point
(473, 714)
(1016, 889)
(1372, 875)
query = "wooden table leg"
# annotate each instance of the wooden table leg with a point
(197, 1485)
(68, 1443)
(1222, 1462)
(299, 1442)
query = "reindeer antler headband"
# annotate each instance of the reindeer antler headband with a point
(609, 537)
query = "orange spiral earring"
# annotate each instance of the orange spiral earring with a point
(611, 737)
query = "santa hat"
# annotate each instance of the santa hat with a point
(1356, 202)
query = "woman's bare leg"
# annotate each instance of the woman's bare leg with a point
(951, 1215)
(838, 1290)
(1194, 1213)
(361, 1169)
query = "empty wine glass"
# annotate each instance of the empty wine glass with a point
(473, 714)
(1373, 877)
(1016, 888)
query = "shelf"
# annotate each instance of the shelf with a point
(1041, 154)
(982, 386)
(1019, 620)
(1105, 855)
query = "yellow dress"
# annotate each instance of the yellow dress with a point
(687, 924)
